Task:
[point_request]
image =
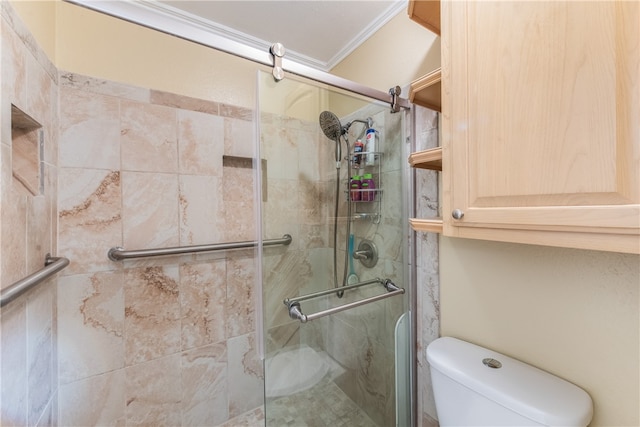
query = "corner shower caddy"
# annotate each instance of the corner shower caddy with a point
(370, 210)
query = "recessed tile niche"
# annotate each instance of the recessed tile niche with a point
(26, 152)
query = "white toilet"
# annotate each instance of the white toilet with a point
(474, 386)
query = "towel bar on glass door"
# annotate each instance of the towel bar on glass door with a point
(295, 310)
(118, 253)
(51, 266)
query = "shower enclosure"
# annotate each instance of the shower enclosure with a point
(155, 170)
(332, 357)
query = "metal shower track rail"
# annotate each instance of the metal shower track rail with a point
(150, 15)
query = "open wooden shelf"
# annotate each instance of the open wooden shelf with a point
(433, 225)
(426, 13)
(426, 91)
(427, 159)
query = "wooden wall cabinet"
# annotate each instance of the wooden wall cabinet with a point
(541, 122)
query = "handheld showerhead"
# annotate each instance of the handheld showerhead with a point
(330, 125)
(332, 128)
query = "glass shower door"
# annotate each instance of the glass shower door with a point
(332, 366)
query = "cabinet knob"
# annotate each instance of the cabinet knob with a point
(457, 214)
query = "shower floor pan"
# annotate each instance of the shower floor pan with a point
(297, 369)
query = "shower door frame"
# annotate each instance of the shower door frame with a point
(408, 247)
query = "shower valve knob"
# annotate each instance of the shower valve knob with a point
(457, 214)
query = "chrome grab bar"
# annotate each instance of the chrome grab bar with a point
(118, 253)
(51, 266)
(295, 310)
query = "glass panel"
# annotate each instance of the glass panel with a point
(339, 369)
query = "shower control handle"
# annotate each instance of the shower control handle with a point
(367, 253)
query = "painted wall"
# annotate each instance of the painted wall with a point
(571, 312)
(81, 46)
(40, 17)
(392, 57)
(97, 45)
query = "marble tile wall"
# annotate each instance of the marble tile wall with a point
(370, 379)
(296, 204)
(28, 324)
(170, 340)
(427, 269)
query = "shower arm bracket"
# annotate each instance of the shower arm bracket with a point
(277, 50)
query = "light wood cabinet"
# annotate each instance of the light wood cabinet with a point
(427, 159)
(541, 122)
(426, 13)
(426, 91)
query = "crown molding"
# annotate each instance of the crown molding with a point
(170, 20)
(367, 32)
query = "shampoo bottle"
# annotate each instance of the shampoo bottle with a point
(358, 148)
(355, 185)
(369, 185)
(370, 146)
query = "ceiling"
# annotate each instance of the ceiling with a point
(317, 33)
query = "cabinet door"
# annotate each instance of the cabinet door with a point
(541, 122)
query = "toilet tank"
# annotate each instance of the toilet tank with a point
(475, 386)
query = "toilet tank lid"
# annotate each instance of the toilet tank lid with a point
(522, 388)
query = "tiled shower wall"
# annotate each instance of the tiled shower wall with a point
(370, 329)
(28, 377)
(166, 341)
(427, 276)
(301, 197)
(160, 341)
